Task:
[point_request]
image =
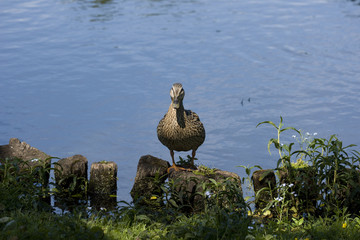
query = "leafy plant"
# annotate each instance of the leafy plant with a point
(337, 172)
(23, 186)
(284, 150)
(325, 176)
(205, 171)
(185, 162)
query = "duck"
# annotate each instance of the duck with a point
(180, 129)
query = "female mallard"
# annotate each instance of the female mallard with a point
(180, 129)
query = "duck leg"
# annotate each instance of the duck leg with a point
(192, 159)
(173, 161)
(176, 168)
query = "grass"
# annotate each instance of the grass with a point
(218, 225)
(25, 212)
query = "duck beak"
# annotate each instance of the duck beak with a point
(176, 104)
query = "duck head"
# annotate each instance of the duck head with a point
(177, 94)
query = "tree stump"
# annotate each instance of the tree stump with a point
(151, 174)
(71, 174)
(264, 181)
(31, 158)
(187, 191)
(304, 185)
(103, 184)
(193, 190)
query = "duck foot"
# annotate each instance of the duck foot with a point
(177, 168)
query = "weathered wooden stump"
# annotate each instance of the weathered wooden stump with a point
(304, 191)
(31, 157)
(187, 191)
(103, 184)
(349, 190)
(151, 173)
(264, 183)
(71, 174)
(191, 190)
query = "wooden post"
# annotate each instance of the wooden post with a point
(188, 187)
(103, 184)
(304, 185)
(151, 173)
(32, 158)
(263, 179)
(69, 169)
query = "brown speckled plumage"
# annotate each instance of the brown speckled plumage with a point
(180, 129)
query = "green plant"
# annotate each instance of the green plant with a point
(185, 162)
(247, 180)
(325, 175)
(205, 171)
(282, 205)
(8, 170)
(285, 150)
(315, 197)
(337, 172)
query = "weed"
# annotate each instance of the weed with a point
(324, 178)
(185, 162)
(285, 150)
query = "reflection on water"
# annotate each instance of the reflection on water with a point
(93, 77)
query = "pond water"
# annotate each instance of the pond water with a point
(93, 77)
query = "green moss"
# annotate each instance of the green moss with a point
(300, 164)
(205, 171)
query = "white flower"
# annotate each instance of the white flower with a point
(279, 199)
(291, 185)
(250, 227)
(283, 185)
(34, 160)
(293, 136)
(307, 133)
(315, 133)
